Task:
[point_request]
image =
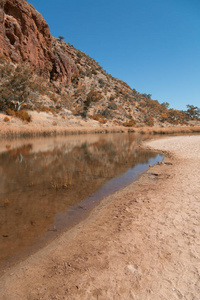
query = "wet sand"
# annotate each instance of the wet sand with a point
(142, 242)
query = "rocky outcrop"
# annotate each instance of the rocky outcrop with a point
(1, 26)
(64, 66)
(25, 37)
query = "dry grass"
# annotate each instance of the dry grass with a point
(169, 130)
(43, 124)
(26, 130)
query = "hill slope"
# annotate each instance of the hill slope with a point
(73, 83)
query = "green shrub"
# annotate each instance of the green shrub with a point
(101, 82)
(94, 96)
(94, 72)
(79, 54)
(18, 86)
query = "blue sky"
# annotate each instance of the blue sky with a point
(153, 45)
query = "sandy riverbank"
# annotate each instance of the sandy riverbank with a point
(141, 243)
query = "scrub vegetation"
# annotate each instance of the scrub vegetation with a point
(91, 94)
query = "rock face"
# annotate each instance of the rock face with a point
(64, 66)
(25, 37)
(1, 27)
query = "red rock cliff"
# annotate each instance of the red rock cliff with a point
(25, 36)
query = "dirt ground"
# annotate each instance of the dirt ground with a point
(141, 243)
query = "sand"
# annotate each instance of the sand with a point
(142, 242)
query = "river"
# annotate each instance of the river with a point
(49, 184)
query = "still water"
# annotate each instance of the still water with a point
(49, 184)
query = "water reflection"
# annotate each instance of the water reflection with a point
(42, 179)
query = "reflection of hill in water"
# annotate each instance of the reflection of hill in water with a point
(36, 185)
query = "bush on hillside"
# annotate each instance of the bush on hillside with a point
(131, 123)
(17, 86)
(149, 121)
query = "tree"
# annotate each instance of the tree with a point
(134, 91)
(165, 104)
(147, 96)
(17, 86)
(193, 112)
(61, 38)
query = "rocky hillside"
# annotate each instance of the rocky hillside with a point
(73, 83)
(25, 36)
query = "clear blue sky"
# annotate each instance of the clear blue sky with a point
(153, 45)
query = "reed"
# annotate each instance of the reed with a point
(26, 131)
